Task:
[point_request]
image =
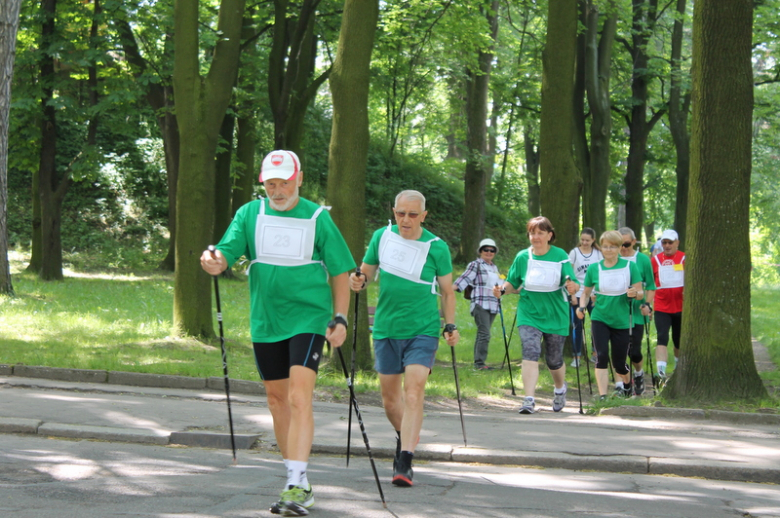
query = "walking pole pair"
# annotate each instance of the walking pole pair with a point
(354, 403)
(574, 339)
(212, 250)
(506, 347)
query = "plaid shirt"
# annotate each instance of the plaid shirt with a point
(476, 275)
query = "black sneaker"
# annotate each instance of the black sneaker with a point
(639, 384)
(402, 472)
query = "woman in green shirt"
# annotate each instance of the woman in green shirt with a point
(542, 272)
(616, 282)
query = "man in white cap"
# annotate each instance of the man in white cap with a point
(669, 273)
(481, 275)
(412, 262)
(293, 246)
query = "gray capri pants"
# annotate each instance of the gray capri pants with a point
(531, 339)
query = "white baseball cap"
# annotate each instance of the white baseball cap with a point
(670, 234)
(280, 164)
(486, 242)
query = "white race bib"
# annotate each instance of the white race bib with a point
(542, 276)
(283, 241)
(404, 258)
(614, 282)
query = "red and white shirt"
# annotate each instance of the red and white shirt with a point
(669, 273)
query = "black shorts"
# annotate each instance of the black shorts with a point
(664, 321)
(274, 359)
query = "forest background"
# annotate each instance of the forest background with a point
(454, 109)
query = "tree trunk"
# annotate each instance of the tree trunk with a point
(580, 132)
(644, 22)
(245, 175)
(223, 183)
(531, 170)
(717, 357)
(9, 24)
(159, 95)
(291, 65)
(245, 156)
(560, 184)
(348, 154)
(598, 60)
(172, 147)
(679, 104)
(52, 187)
(201, 103)
(477, 168)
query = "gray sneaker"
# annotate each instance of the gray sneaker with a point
(559, 401)
(528, 406)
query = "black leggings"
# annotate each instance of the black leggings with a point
(663, 321)
(635, 353)
(602, 336)
(578, 339)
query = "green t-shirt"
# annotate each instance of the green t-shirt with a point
(288, 300)
(407, 309)
(645, 268)
(546, 311)
(612, 310)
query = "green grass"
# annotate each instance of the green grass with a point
(114, 320)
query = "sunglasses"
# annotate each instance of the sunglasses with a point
(627, 245)
(401, 214)
(666, 242)
(489, 250)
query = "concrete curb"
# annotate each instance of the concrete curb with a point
(255, 388)
(103, 433)
(213, 440)
(135, 379)
(636, 464)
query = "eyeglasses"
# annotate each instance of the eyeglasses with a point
(489, 250)
(666, 242)
(401, 214)
(628, 245)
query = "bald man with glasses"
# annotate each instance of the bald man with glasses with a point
(414, 267)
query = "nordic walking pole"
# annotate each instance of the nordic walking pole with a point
(457, 388)
(506, 346)
(631, 342)
(512, 330)
(352, 370)
(587, 353)
(649, 357)
(211, 249)
(574, 338)
(360, 420)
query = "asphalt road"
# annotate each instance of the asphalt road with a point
(42, 477)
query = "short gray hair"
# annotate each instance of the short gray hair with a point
(412, 195)
(625, 231)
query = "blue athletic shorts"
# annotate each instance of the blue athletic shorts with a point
(391, 356)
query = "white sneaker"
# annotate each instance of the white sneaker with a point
(575, 363)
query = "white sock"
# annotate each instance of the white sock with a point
(639, 373)
(661, 367)
(296, 470)
(618, 385)
(561, 390)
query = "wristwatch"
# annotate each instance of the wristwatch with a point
(340, 318)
